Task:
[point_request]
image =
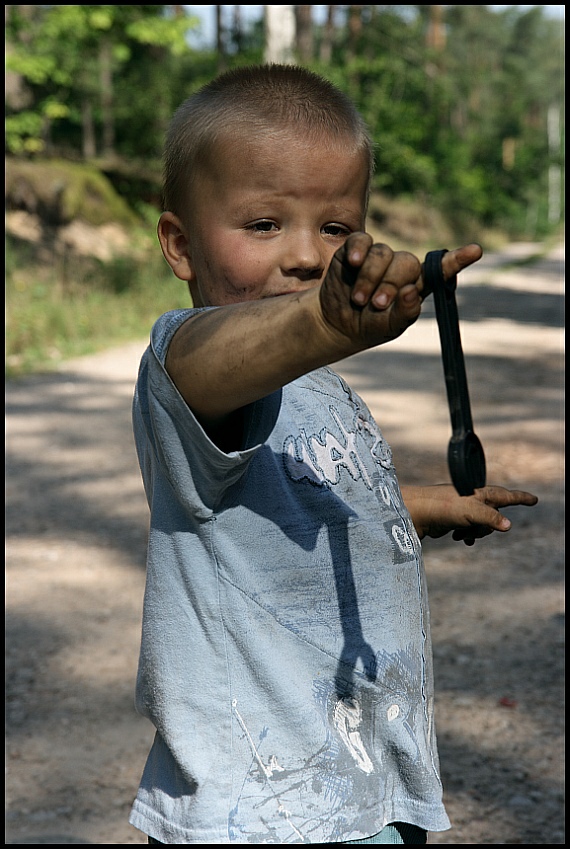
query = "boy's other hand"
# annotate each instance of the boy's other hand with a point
(437, 510)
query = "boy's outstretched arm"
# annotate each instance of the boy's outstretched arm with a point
(224, 359)
(437, 510)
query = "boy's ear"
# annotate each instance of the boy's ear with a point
(175, 245)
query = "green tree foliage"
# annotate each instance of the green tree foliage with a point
(84, 71)
(458, 98)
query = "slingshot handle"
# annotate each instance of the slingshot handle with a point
(466, 458)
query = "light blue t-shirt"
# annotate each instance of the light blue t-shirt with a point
(285, 658)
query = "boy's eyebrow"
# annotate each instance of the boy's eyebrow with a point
(260, 207)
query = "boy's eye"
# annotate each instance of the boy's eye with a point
(336, 230)
(262, 226)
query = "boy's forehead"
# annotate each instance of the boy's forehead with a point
(287, 135)
(275, 145)
(259, 158)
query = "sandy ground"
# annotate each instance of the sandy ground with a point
(76, 529)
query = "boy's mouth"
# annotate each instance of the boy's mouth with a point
(290, 291)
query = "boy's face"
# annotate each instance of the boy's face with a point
(268, 215)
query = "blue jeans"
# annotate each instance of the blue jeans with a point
(397, 832)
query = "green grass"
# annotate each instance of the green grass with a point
(62, 307)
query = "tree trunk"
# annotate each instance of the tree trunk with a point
(354, 30)
(554, 171)
(237, 29)
(89, 146)
(106, 81)
(279, 34)
(220, 40)
(435, 37)
(304, 25)
(327, 36)
(435, 41)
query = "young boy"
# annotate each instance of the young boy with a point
(285, 658)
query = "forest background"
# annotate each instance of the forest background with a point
(465, 106)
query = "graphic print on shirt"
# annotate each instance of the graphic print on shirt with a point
(345, 771)
(358, 451)
(320, 457)
(347, 719)
(261, 773)
(289, 795)
(365, 713)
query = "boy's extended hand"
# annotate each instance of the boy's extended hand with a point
(437, 510)
(371, 294)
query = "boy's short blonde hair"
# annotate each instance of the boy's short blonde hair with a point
(249, 100)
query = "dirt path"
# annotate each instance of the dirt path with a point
(76, 528)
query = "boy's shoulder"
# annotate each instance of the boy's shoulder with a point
(165, 327)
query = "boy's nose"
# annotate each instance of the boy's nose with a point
(304, 257)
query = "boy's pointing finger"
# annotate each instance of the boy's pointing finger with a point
(454, 261)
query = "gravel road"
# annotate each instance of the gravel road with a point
(76, 529)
